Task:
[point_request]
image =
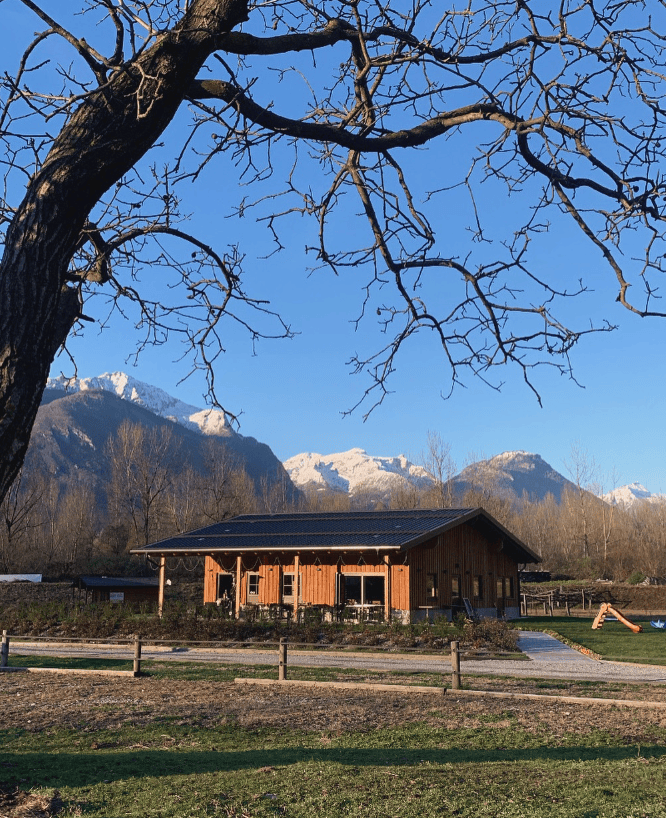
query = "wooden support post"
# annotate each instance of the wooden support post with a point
(297, 585)
(568, 609)
(387, 588)
(237, 601)
(4, 650)
(455, 665)
(282, 659)
(160, 592)
(137, 656)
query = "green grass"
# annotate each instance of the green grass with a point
(409, 772)
(208, 671)
(70, 663)
(614, 641)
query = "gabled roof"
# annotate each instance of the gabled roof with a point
(334, 531)
(115, 582)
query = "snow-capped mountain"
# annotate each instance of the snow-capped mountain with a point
(513, 475)
(355, 470)
(73, 428)
(206, 421)
(631, 495)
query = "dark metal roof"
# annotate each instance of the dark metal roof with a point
(339, 531)
(116, 582)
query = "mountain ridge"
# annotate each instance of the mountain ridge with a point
(511, 474)
(207, 421)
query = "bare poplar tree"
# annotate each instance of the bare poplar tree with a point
(321, 110)
(144, 465)
(437, 461)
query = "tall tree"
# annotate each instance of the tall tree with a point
(144, 465)
(558, 112)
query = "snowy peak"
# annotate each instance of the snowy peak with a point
(355, 470)
(514, 475)
(206, 421)
(632, 494)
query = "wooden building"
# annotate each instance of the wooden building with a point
(407, 564)
(116, 589)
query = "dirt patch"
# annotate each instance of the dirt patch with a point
(15, 803)
(95, 703)
(91, 704)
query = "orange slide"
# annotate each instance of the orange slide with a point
(608, 610)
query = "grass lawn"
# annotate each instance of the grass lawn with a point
(614, 641)
(499, 764)
(166, 769)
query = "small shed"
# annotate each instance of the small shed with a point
(117, 589)
(394, 564)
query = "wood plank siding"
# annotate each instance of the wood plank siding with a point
(318, 579)
(463, 563)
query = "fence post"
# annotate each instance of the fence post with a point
(455, 665)
(4, 650)
(282, 660)
(137, 656)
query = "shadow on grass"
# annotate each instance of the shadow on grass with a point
(89, 768)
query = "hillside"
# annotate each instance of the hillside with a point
(72, 430)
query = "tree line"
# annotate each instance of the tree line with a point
(151, 492)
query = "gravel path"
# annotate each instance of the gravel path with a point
(549, 659)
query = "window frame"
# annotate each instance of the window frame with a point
(477, 586)
(253, 577)
(363, 576)
(289, 598)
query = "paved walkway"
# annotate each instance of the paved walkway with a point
(549, 659)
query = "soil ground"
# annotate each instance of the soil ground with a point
(36, 703)
(90, 704)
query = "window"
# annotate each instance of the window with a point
(253, 585)
(455, 588)
(509, 587)
(288, 586)
(477, 587)
(500, 587)
(362, 589)
(432, 590)
(225, 586)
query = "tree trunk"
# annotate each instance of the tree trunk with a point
(109, 132)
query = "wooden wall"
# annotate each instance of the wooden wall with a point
(318, 578)
(130, 594)
(463, 552)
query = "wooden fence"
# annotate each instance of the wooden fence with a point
(282, 657)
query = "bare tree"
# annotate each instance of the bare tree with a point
(144, 466)
(557, 111)
(437, 461)
(225, 488)
(20, 514)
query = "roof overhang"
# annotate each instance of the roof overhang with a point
(200, 551)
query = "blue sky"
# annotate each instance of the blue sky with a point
(292, 394)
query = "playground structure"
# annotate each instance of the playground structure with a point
(607, 609)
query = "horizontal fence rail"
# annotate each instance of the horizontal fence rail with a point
(139, 643)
